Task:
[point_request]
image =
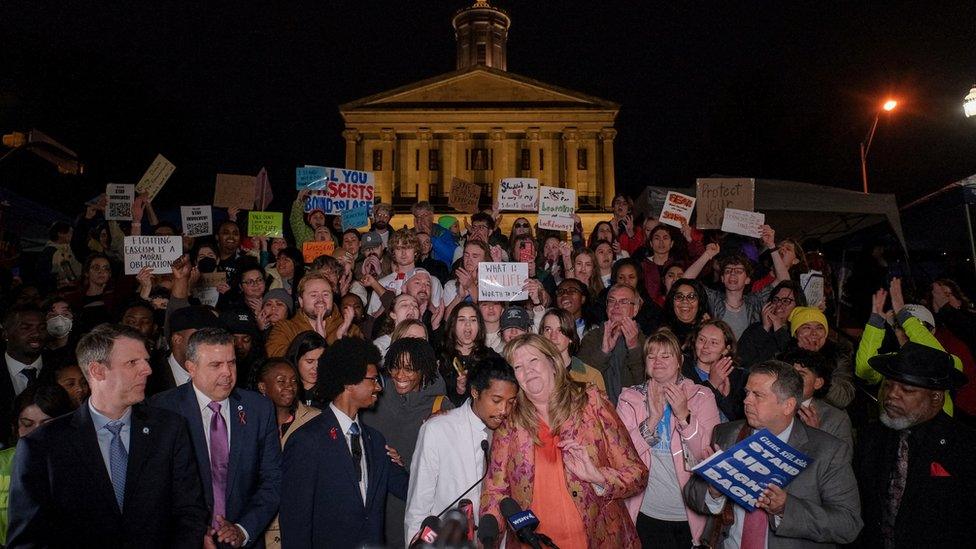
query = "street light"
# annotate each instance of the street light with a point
(969, 103)
(888, 106)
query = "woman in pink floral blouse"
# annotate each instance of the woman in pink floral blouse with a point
(563, 453)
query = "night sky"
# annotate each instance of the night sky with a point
(783, 90)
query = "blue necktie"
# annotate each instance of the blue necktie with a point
(356, 450)
(118, 460)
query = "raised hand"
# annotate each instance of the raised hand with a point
(711, 250)
(878, 301)
(768, 236)
(611, 332)
(630, 331)
(678, 400)
(897, 298)
(718, 375)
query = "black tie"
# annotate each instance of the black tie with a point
(30, 374)
(357, 450)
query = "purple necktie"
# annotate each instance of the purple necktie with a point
(219, 452)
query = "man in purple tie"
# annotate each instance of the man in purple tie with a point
(235, 436)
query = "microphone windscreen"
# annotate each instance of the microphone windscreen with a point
(488, 528)
(509, 507)
(485, 446)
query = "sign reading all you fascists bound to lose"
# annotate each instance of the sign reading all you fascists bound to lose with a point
(556, 208)
(502, 281)
(156, 252)
(717, 194)
(334, 190)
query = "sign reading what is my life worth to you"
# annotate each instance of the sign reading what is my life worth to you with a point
(715, 195)
(502, 281)
(197, 220)
(269, 224)
(743, 471)
(677, 209)
(334, 190)
(156, 252)
(556, 208)
(518, 194)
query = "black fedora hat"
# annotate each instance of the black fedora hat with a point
(921, 366)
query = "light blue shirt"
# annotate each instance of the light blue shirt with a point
(105, 436)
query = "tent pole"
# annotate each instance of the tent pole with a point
(972, 243)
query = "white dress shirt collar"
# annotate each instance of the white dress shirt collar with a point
(180, 376)
(14, 367)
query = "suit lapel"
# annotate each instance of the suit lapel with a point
(190, 409)
(372, 467)
(239, 428)
(798, 437)
(345, 464)
(139, 446)
(86, 442)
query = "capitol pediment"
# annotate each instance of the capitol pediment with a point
(478, 87)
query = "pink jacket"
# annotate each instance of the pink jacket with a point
(632, 409)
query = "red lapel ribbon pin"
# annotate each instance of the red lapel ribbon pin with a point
(334, 433)
(241, 416)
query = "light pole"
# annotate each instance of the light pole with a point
(866, 144)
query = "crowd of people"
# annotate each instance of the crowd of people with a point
(347, 400)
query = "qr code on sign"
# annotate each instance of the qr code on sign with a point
(197, 229)
(119, 210)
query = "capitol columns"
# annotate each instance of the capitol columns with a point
(535, 145)
(423, 186)
(385, 182)
(352, 138)
(571, 145)
(458, 169)
(609, 185)
(500, 155)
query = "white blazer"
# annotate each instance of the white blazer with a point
(447, 460)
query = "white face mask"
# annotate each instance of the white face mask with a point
(59, 326)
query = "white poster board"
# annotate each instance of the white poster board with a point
(156, 252)
(502, 281)
(197, 220)
(743, 222)
(119, 199)
(677, 209)
(813, 287)
(518, 194)
(556, 208)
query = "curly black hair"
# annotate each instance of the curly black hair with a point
(344, 363)
(415, 353)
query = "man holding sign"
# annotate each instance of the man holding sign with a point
(821, 505)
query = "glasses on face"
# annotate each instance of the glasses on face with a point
(251, 282)
(567, 291)
(686, 297)
(611, 302)
(521, 225)
(734, 270)
(376, 380)
(782, 300)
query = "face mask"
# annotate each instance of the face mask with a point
(59, 326)
(207, 264)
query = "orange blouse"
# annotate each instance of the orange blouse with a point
(558, 516)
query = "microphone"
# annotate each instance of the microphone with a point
(467, 508)
(488, 531)
(454, 529)
(524, 523)
(486, 449)
(428, 532)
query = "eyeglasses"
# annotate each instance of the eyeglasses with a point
(567, 291)
(611, 302)
(378, 380)
(521, 225)
(252, 282)
(782, 300)
(686, 297)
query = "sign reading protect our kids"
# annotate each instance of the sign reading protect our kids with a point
(334, 190)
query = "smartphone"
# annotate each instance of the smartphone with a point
(525, 252)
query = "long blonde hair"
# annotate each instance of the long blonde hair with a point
(567, 399)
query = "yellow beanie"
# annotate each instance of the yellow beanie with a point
(802, 315)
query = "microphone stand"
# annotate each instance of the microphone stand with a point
(484, 447)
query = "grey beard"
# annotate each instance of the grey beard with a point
(899, 423)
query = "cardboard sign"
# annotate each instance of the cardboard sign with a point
(813, 287)
(269, 224)
(156, 252)
(197, 220)
(312, 250)
(355, 218)
(716, 195)
(335, 190)
(677, 209)
(556, 208)
(155, 177)
(234, 191)
(518, 194)
(743, 471)
(262, 191)
(206, 295)
(502, 281)
(743, 222)
(464, 196)
(212, 280)
(119, 204)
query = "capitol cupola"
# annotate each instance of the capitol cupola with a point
(481, 31)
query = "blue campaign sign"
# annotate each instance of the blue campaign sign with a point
(743, 471)
(355, 218)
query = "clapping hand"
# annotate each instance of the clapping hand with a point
(718, 375)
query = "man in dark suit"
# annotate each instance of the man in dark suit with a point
(820, 508)
(24, 331)
(916, 469)
(114, 473)
(235, 436)
(335, 470)
(169, 370)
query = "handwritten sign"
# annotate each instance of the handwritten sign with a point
(502, 281)
(262, 191)
(334, 190)
(314, 249)
(155, 177)
(813, 287)
(743, 471)
(743, 222)
(206, 295)
(355, 218)
(197, 220)
(234, 191)
(677, 209)
(464, 196)
(156, 252)
(119, 204)
(518, 194)
(269, 224)
(556, 208)
(212, 280)
(716, 195)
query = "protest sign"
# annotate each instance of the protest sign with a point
(743, 471)
(206, 295)
(155, 177)
(197, 220)
(556, 208)
(812, 283)
(716, 195)
(262, 191)
(156, 252)
(502, 281)
(234, 191)
(269, 224)
(518, 194)
(354, 218)
(677, 209)
(334, 190)
(464, 196)
(212, 280)
(314, 249)
(743, 222)
(119, 204)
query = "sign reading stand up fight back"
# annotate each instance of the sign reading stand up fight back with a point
(334, 190)
(156, 252)
(556, 208)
